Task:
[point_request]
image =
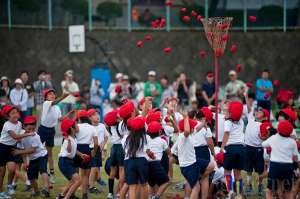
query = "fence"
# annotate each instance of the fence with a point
(138, 14)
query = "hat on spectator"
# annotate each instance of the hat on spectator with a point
(65, 125)
(69, 73)
(29, 119)
(136, 123)
(209, 74)
(125, 77)
(285, 128)
(232, 72)
(119, 75)
(192, 123)
(47, 91)
(111, 118)
(151, 73)
(154, 127)
(18, 81)
(235, 110)
(4, 78)
(126, 110)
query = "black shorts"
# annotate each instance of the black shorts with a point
(157, 174)
(97, 159)
(6, 156)
(234, 157)
(85, 149)
(193, 173)
(280, 172)
(47, 135)
(136, 171)
(117, 155)
(67, 167)
(264, 104)
(202, 152)
(255, 159)
(37, 166)
(165, 162)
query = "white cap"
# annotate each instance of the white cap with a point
(18, 81)
(232, 72)
(119, 75)
(126, 77)
(3, 78)
(69, 73)
(151, 73)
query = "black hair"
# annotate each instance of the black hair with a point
(164, 77)
(84, 120)
(199, 115)
(24, 71)
(8, 84)
(117, 129)
(41, 72)
(2, 92)
(135, 141)
(251, 95)
(69, 131)
(265, 70)
(272, 131)
(153, 135)
(192, 114)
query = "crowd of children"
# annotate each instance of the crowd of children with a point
(146, 143)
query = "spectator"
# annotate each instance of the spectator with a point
(112, 86)
(235, 88)
(19, 97)
(39, 86)
(24, 76)
(96, 94)
(85, 93)
(264, 86)
(167, 89)
(182, 85)
(152, 88)
(208, 89)
(125, 91)
(4, 85)
(69, 86)
(134, 88)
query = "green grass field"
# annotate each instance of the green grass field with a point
(61, 182)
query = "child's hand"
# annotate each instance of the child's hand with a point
(86, 158)
(151, 155)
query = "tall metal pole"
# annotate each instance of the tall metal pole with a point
(90, 14)
(284, 15)
(50, 15)
(216, 65)
(168, 17)
(9, 14)
(129, 16)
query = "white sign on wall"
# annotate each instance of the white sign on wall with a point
(76, 39)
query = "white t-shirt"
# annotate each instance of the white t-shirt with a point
(235, 129)
(33, 142)
(5, 136)
(122, 128)
(186, 151)
(114, 137)
(86, 134)
(141, 152)
(283, 148)
(199, 138)
(63, 150)
(218, 176)
(50, 114)
(174, 149)
(221, 121)
(252, 132)
(101, 133)
(157, 146)
(73, 88)
(169, 130)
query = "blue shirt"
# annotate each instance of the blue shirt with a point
(260, 95)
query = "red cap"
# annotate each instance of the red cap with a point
(235, 110)
(233, 48)
(153, 116)
(65, 125)
(289, 112)
(126, 110)
(142, 101)
(285, 128)
(136, 123)
(29, 119)
(219, 158)
(118, 89)
(81, 113)
(91, 112)
(46, 91)
(264, 127)
(192, 123)
(207, 113)
(154, 127)
(276, 83)
(6, 109)
(110, 118)
(186, 19)
(266, 113)
(210, 75)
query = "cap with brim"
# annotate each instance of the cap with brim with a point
(119, 75)
(151, 73)
(47, 91)
(125, 77)
(3, 78)
(69, 73)
(18, 81)
(232, 72)
(29, 119)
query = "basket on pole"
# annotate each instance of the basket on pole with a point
(216, 31)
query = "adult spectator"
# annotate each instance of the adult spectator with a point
(85, 93)
(4, 85)
(235, 88)
(208, 89)
(182, 86)
(112, 91)
(264, 86)
(39, 86)
(68, 85)
(19, 97)
(167, 89)
(24, 76)
(125, 88)
(152, 88)
(96, 94)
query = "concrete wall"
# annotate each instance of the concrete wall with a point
(35, 49)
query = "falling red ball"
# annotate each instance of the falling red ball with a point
(169, 3)
(218, 52)
(183, 10)
(202, 53)
(199, 17)
(155, 24)
(267, 95)
(210, 34)
(162, 23)
(276, 83)
(223, 26)
(167, 49)
(252, 19)
(225, 37)
(249, 84)
(139, 44)
(194, 13)
(148, 37)
(238, 68)
(186, 19)
(233, 48)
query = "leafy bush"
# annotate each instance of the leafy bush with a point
(77, 7)
(28, 5)
(109, 11)
(270, 15)
(238, 17)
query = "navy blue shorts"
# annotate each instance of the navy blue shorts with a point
(97, 159)
(47, 135)
(255, 159)
(157, 174)
(165, 162)
(17, 159)
(67, 167)
(85, 149)
(234, 157)
(107, 168)
(136, 171)
(202, 152)
(280, 172)
(117, 155)
(37, 166)
(193, 173)
(8, 157)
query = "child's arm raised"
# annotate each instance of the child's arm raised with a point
(58, 99)
(249, 109)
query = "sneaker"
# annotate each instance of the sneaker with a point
(94, 190)
(102, 182)
(248, 190)
(155, 197)
(45, 193)
(10, 190)
(179, 186)
(4, 195)
(52, 179)
(110, 196)
(27, 188)
(35, 194)
(260, 190)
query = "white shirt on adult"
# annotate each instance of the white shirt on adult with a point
(19, 97)
(235, 130)
(33, 142)
(283, 148)
(157, 146)
(86, 134)
(50, 114)
(63, 150)
(73, 88)
(9, 127)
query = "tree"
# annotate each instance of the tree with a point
(109, 11)
(28, 5)
(77, 7)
